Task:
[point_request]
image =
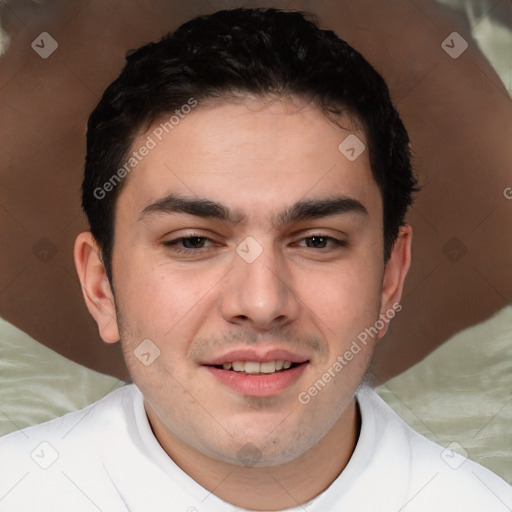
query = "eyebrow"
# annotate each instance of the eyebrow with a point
(207, 209)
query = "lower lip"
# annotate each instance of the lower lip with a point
(258, 385)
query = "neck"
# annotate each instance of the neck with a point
(273, 487)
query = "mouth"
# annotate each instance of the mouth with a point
(258, 368)
(257, 375)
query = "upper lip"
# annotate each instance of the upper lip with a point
(260, 356)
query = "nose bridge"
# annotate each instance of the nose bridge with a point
(258, 265)
(257, 290)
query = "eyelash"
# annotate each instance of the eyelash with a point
(173, 244)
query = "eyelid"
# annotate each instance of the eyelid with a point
(318, 231)
(183, 233)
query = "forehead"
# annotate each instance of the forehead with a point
(253, 152)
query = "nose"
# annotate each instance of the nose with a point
(259, 294)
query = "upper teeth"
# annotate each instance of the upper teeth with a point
(255, 367)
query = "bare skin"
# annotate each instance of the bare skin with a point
(197, 301)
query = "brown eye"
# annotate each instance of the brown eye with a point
(194, 242)
(318, 242)
(188, 244)
(323, 242)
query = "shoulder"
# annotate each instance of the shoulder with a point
(41, 459)
(439, 478)
(84, 423)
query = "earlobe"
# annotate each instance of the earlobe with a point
(96, 288)
(394, 276)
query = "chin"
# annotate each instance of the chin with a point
(266, 449)
(249, 455)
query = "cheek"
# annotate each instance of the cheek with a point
(344, 298)
(162, 302)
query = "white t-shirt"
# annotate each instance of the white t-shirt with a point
(105, 457)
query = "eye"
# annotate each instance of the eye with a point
(188, 243)
(320, 241)
(196, 243)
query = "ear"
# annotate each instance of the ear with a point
(394, 276)
(95, 286)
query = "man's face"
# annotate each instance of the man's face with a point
(253, 288)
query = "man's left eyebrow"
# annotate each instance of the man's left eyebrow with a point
(312, 209)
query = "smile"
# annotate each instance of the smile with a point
(255, 367)
(257, 379)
